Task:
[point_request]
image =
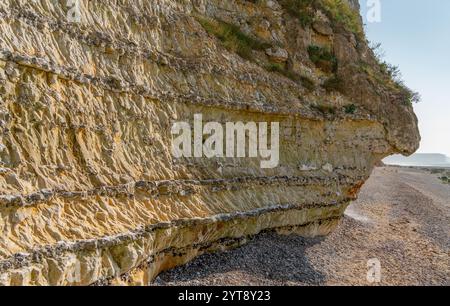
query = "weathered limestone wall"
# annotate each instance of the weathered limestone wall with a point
(89, 190)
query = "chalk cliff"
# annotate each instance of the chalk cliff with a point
(89, 190)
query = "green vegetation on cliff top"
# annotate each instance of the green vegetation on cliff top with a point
(338, 11)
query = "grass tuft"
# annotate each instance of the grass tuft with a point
(340, 12)
(232, 38)
(303, 10)
(334, 83)
(350, 109)
(323, 58)
(445, 179)
(281, 69)
(390, 75)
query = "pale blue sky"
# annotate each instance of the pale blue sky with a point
(415, 35)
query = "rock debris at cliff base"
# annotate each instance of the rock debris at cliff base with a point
(395, 220)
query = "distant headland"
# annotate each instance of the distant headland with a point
(420, 160)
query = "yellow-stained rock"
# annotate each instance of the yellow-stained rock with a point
(89, 190)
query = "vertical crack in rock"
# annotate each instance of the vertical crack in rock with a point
(90, 192)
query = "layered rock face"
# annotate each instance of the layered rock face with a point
(90, 192)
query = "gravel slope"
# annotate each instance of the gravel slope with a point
(402, 219)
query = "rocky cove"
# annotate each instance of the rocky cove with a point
(90, 192)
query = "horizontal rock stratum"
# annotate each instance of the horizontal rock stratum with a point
(89, 190)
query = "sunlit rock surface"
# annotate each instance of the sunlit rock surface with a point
(89, 190)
